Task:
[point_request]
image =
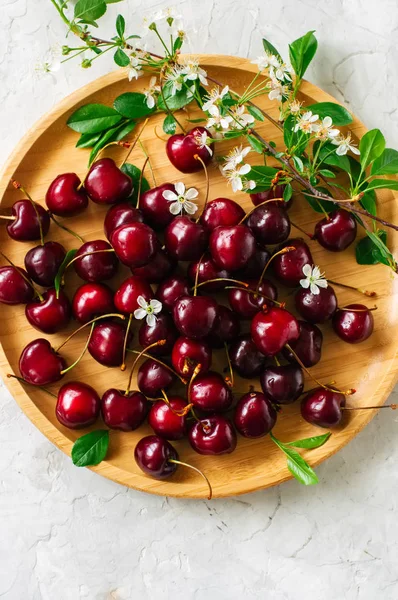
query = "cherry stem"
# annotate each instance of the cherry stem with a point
(149, 161)
(195, 373)
(258, 206)
(132, 146)
(350, 287)
(256, 293)
(163, 139)
(158, 343)
(179, 413)
(40, 387)
(108, 316)
(221, 279)
(8, 217)
(392, 406)
(229, 380)
(28, 281)
(278, 364)
(75, 258)
(83, 352)
(348, 309)
(283, 251)
(123, 365)
(195, 287)
(160, 362)
(18, 186)
(197, 157)
(140, 182)
(58, 224)
(309, 235)
(179, 462)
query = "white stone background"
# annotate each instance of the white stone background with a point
(68, 534)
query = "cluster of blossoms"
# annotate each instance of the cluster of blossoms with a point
(324, 130)
(235, 169)
(186, 74)
(219, 120)
(279, 74)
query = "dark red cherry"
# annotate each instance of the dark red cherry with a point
(232, 247)
(255, 265)
(78, 405)
(269, 223)
(195, 316)
(207, 270)
(92, 300)
(274, 192)
(65, 197)
(185, 239)
(213, 435)
(308, 346)
(352, 326)
(254, 415)
(95, 267)
(221, 212)
(245, 358)
(106, 183)
(124, 412)
(316, 308)
(171, 289)
(106, 343)
(182, 150)
(121, 214)
(163, 329)
(14, 288)
(282, 384)
(210, 392)
(153, 377)
(323, 407)
(155, 207)
(51, 314)
(164, 420)
(42, 262)
(336, 231)
(272, 329)
(39, 364)
(288, 267)
(135, 244)
(157, 269)
(226, 328)
(153, 454)
(247, 304)
(188, 353)
(26, 225)
(127, 294)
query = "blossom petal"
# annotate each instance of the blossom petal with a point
(314, 289)
(307, 270)
(191, 194)
(169, 195)
(322, 283)
(140, 313)
(151, 320)
(156, 305)
(316, 272)
(180, 188)
(327, 122)
(342, 150)
(305, 283)
(175, 208)
(190, 207)
(244, 170)
(354, 150)
(150, 101)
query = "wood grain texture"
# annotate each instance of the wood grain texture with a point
(47, 150)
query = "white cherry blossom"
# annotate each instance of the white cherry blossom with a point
(278, 90)
(147, 310)
(306, 123)
(235, 157)
(295, 106)
(214, 97)
(324, 129)
(281, 72)
(202, 141)
(240, 119)
(191, 71)
(176, 78)
(151, 92)
(181, 199)
(218, 120)
(314, 279)
(235, 176)
(344, 145)
(266, 61)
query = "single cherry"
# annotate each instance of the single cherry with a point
(42, 262)
(78, 405)
(210, 392)
(92, 300)
(157, 269)
(255, 265)
(168, 421)
(153, 377)
(336, 231)
(254, 415)
(269, 223)
(308, 346)
(14, 286)
(245, 358)
(275, 191)
(51, 313)
(135, 244)
(155, 207)
(195, 316)
(353, 323)
(183, 150)
(28, 218)
(106, 183)
(207, 270)
(124, 412)
(188, 353)
(323, 407)
(272, 329)
(121, 214)
(316, 308)
(163, 329)
(221, 212)
(153, 455)
(107, 342)
(213, 435)
(39, 363)
(247, 304)
(65, 197)
(282, 384)
(226, 328)
(185, 239)
(232, 247)
(288, 267)
(127, 294)
(98, 266)
(171, 289)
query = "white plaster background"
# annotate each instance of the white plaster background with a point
(68, 534)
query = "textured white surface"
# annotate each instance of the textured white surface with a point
(68, 534)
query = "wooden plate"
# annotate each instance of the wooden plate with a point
(371, 367)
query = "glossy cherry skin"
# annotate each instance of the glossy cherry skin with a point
(92, 300)
(14, 288)
(78, 405)
(171, 289)
(163, 329)
(254, 415)
(51, 314)
(316, 308)
(351, 326)
(288, 267)
(226, 328)
(153, 377)
(221, 212)
(135, 244)
(157, 269)
(155, 208)
(164, 420)
(121, 214)
(100, 266)
(323, 407)
(282, 384)
(245, 358)
(232, 247)
(124, 412)
(39, 364)
(25, 227)
(213, 435)
(126, 296)
(182, 150)
(153, 454)
(106, 343)
(207, 270)
(42, 262)
(336, 231)
(255, 265)
(274, 192)
(269, 223)
(185, 239)
(195, 316)
(64, 198)
(272, 329)
(210, 392)
(247, 304)
(187, 354)
(308, 346)
(106, 183)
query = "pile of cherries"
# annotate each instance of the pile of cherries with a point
(182, 262)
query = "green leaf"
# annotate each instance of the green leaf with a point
(170, 125)
(301, 52)
(121, 58)
(296, 464)
(135, 174)
(87, 140)
(89, 10)
(120, 25)
(255, 112)
(377, 184)
(311, 442)
(328, 156)
(298, 163)
(113, 2)
(91, 448)
(288, 134)
(327, 173)
(371, 146)
(70, 255)
(386, 163)
(125, 129)
(93, 118)
(179, 100)
(287, 192)
(178, 43)
(338, 114)
(132, 105)
(367, 252)
(111, 135)
(255, 144)
(270, 49)
(368, 202)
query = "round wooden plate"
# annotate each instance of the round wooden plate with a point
(371, 367)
